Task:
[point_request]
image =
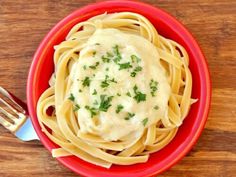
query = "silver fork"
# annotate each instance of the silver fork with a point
(14, 116)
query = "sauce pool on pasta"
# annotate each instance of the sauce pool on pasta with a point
(119, 91)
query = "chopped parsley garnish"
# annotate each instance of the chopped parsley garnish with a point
(139, 96)
(144, 121)
(118, 94)
(156, 107)
(107, 69)
(94, 53)
(86, 82)
(85, 67)
(105, 83)
(153, 86)
(76, 108)
(95, 102)
(105, 102)
(93, 111)
(94, 92)
(109, 54)
(116, 53)
(134, 58)
(113, 80)
(71, 97)
(128, 94)
(116, 50)
(136, 69)
(94, 66)
(133, 74)
(97, 44)
(125, 66)
(119, 108)
(130, 115)
(105, 59)
(80, 90)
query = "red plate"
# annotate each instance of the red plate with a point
(42, 68)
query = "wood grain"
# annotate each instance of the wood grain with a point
(23, 24)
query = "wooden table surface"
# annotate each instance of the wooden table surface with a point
(24, 23)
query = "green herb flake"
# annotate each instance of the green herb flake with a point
(128, 94)
(71, 97)
(119, 108)
(109, 54)
(86, 82)
(134, 59)
(105, 83)
(114, 55)
(106, 59)
(94, 92)
(76, 108)
(139, 96)
(116, 50)
(94, 53)
(93, 111)
(94, 66)
(97, 44)
(80, 90)
(136, 69)
(133, 74)
(153, 86)
(113, 80)
(156, 107)
(117, 54)
(95, 102)
(105, 102)
(145, 121)
(125, 66)
(118, 94)
(130, 115)
(107, 69)
(84, 67)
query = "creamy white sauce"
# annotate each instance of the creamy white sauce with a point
(110, 125)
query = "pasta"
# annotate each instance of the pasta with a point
(108, 112)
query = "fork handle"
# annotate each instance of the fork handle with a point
(27, 132)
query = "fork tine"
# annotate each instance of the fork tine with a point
(9, 115)
(18, 122)
(9, 106)
(11, 98)
(13, 108)
(5, 123)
